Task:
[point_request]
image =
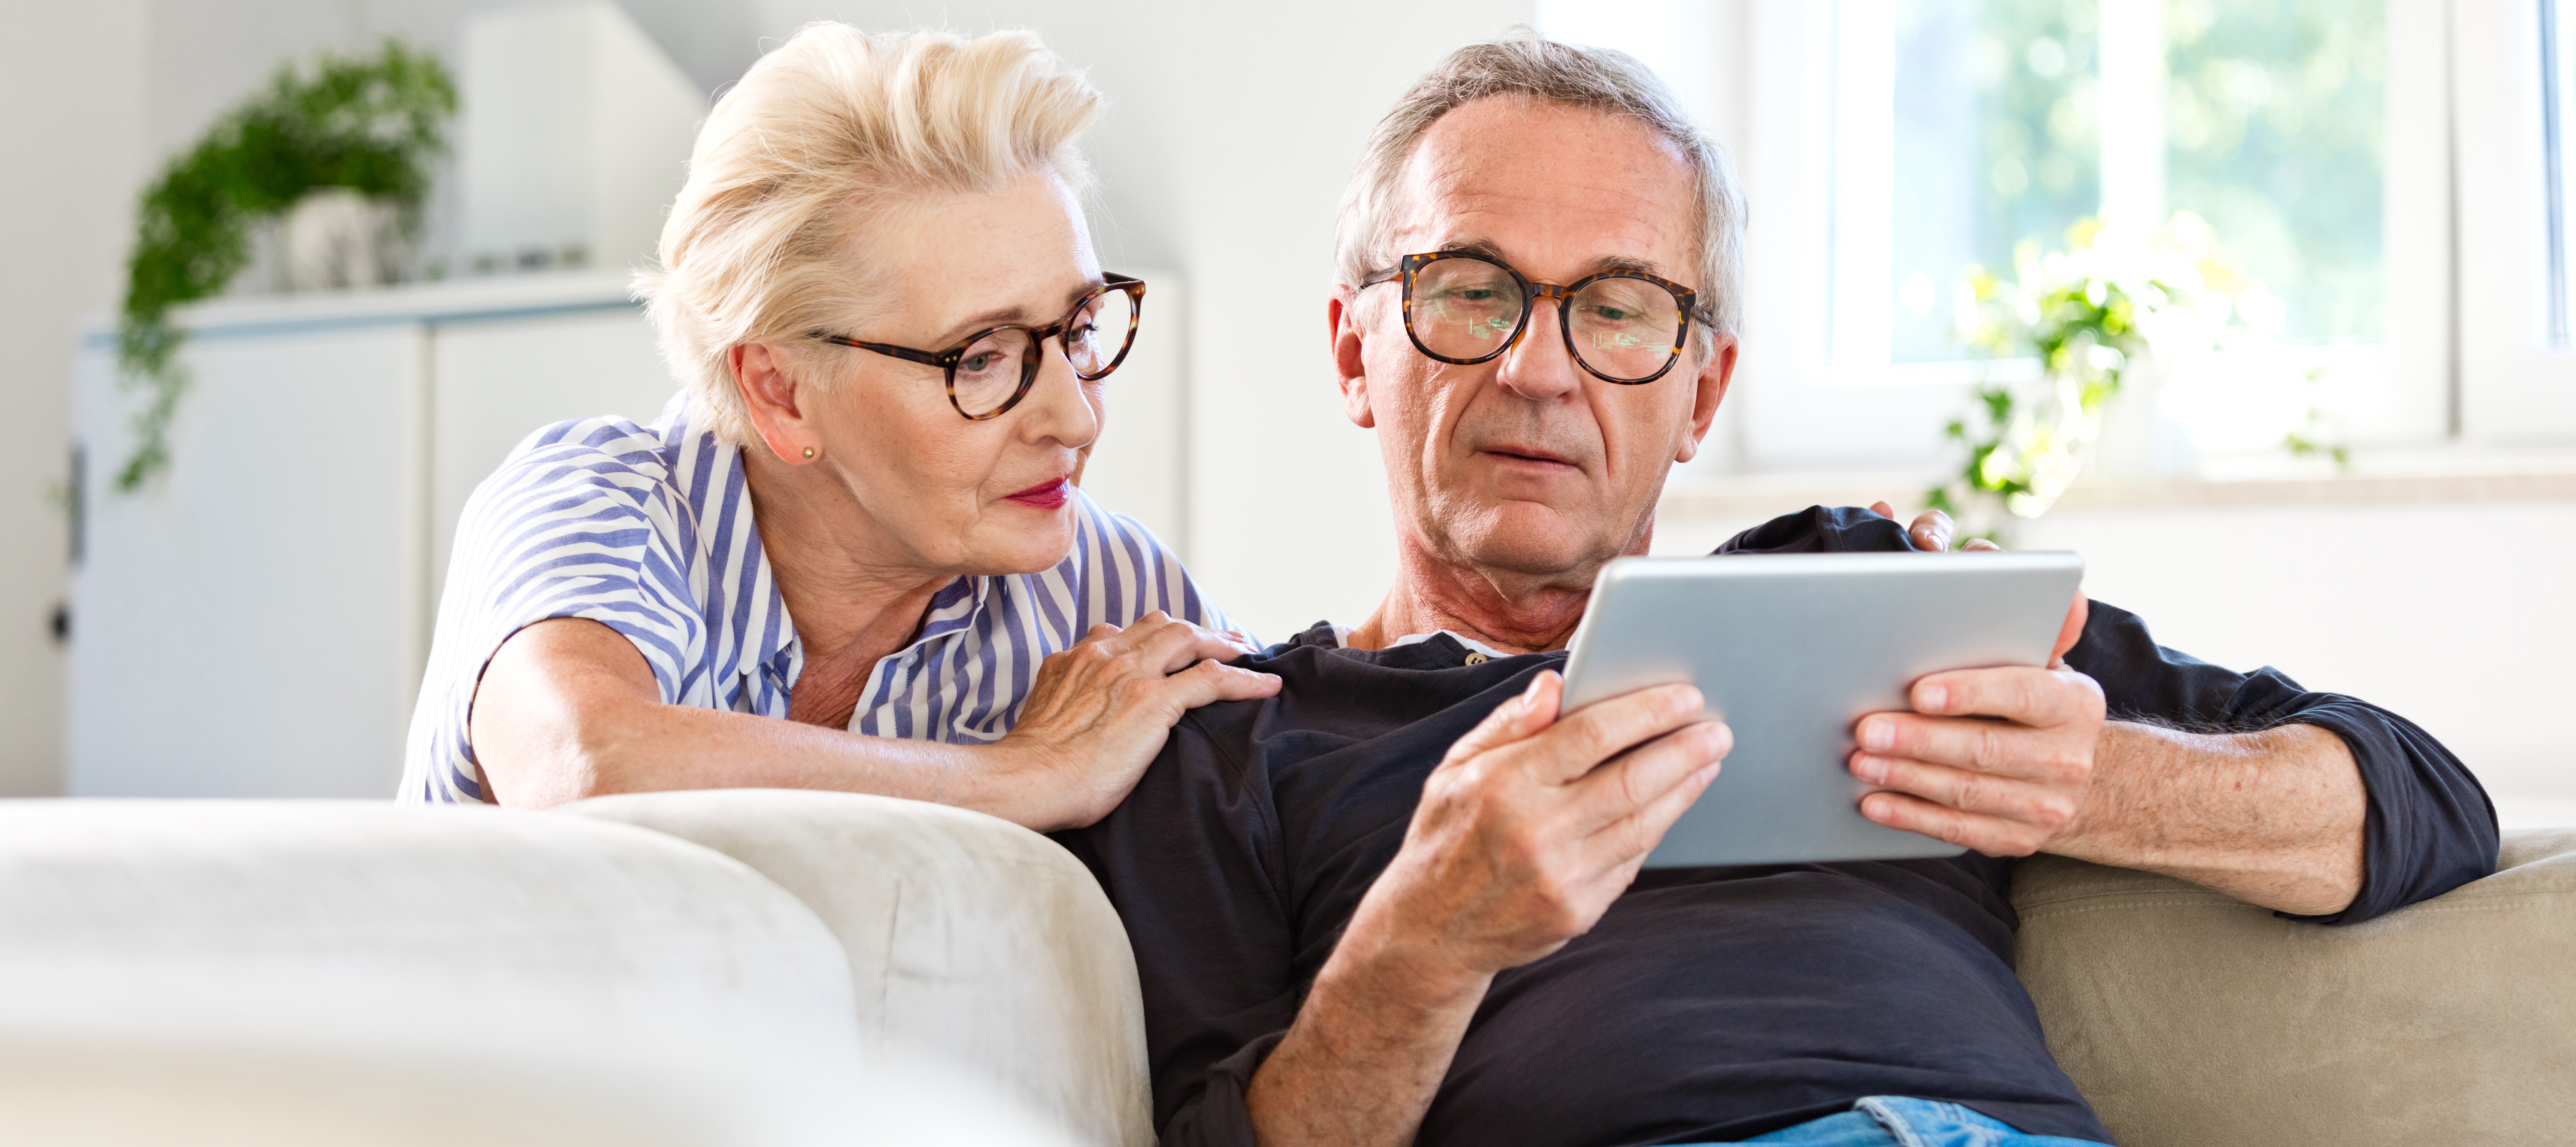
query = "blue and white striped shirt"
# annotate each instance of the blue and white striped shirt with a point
(648, 530)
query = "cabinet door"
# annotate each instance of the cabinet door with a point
(250, 623)
(497, 381)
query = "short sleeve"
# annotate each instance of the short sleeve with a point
(1128, 573)
(585, 526)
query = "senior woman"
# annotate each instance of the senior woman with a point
(851, 554)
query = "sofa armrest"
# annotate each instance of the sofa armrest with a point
(2189, 1018)
(968, 937)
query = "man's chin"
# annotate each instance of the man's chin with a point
(1529, 540)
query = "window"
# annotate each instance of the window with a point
(1890, 145)
(1970, 131)
(2510, 103)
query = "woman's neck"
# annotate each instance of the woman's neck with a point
(851, 597)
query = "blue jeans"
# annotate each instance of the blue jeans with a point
(1896, 1121)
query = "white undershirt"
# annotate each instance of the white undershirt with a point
(1342, 637)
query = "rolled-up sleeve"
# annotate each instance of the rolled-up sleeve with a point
(2429, 827)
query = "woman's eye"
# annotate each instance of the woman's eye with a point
(978, 362)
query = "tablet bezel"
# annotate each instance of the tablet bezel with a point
(1837, 636)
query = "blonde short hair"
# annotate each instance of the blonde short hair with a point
(825, 135)
(1526, 65)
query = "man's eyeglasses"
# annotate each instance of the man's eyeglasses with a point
(1626, 327)
(993, 369)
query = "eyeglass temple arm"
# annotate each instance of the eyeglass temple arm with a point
(907, 354)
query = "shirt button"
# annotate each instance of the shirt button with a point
(1475, 658)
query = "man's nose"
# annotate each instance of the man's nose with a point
(1540, 367)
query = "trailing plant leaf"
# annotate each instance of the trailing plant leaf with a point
(368, 124)
(2085, 313)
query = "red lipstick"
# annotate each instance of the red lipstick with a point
(1045, 495)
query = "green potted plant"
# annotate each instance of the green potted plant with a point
(366, 126)
(2090, 315)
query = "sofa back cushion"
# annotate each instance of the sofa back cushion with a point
(174, 971)
(971, 940)
(2194, 1020)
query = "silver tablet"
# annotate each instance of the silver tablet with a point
(1791, 650)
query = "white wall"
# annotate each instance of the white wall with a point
(71, 140)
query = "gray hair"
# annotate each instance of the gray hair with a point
(1599, 79)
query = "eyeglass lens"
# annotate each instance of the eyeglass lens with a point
(1466, 308)
(989, 372)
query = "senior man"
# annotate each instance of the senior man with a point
(1401, 902)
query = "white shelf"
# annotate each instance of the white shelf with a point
(444, 301)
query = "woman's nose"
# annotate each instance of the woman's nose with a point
(1057, 408)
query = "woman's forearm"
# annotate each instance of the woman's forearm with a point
(568, 710)
(661, 747)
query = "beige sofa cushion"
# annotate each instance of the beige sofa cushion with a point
(2194, 1020)
(969, 938)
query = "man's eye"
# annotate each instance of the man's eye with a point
(979, 363)
(1613, 314)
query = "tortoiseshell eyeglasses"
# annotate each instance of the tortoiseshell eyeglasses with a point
(1464, 307)
(993, 369)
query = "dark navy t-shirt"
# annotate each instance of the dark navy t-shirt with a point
(1707, 1004)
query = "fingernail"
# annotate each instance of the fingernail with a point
(1934, 698)
(1875, 808)
(1869, 768)
(1880, 735)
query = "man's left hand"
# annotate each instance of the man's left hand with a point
(1996, 760)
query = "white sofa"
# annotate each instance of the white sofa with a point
(202, 972)
(763, 967)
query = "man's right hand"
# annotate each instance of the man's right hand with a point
(1526, 832)
(1530, 828)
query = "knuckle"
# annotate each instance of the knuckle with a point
(1974, 792)
(2055, 813)
(1988, 746)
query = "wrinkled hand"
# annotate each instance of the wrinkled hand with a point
(1932, 530)
(1529, 828)
(1098, 712)
(2005, 786)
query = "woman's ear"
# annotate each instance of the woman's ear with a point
(770, 395)
(1350, 366)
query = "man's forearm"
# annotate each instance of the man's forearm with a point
(1367, 1052)
(2273, 818)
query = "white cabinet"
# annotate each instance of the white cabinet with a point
(254, 622)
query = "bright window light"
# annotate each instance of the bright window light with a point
(1967, 128)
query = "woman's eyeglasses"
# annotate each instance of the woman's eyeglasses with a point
(993, 369)
(1626, 327)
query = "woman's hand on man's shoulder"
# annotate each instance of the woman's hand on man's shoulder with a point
(1099, 712)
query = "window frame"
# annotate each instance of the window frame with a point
(2514, 388)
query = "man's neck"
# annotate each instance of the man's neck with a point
(1511, 612)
